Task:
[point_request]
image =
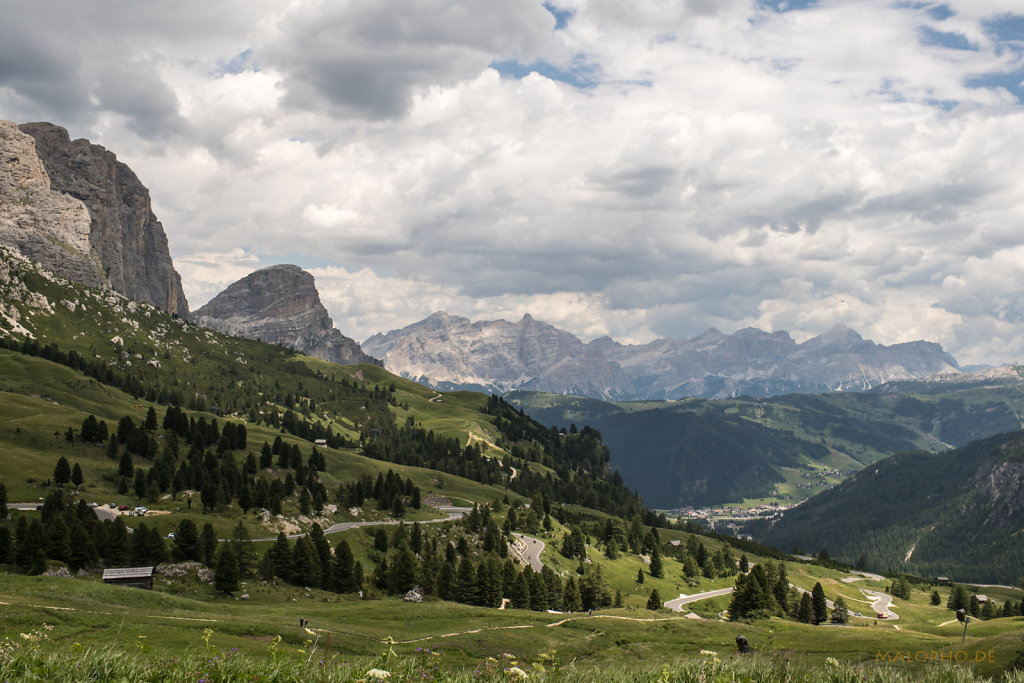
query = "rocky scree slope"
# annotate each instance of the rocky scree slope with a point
(281, 305)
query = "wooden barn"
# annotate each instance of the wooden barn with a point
(133, 577)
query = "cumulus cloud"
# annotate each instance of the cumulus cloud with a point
(640, 171)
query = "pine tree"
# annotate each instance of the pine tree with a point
(639, 575)
(805, 612)
(819, 606)
(654, 602)
(403, 573)
(62, 472)
(208, 544)
(840, 613)
(936, 599)
(571, 596)
(657, 571)
(186, 543)
(226, 575)
(344, 567)
(76, 476)
(3, 501)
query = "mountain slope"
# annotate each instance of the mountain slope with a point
(449, 351)
(280, 305)
(958, 514)
(707, 452)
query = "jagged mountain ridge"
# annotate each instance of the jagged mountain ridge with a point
(281, 305)
(124, 236)
(448, 351)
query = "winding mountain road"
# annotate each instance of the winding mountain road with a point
(529, 550)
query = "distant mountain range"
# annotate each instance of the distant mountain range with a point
(450, 352)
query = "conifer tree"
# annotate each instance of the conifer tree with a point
(226, 575)
(76, 476)
(62, 472)
(571, 596)
(654, 602)
(819, 605)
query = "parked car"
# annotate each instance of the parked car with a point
(122, 508)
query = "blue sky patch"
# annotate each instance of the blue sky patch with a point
(1007, 28)
(580, 75)
(243, 61)
(788, 5)
(953, 41)
(562, 16)
(1011, 81)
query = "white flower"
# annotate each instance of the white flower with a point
(379, 674)
(517, 673)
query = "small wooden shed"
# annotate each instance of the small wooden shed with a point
(133, 577)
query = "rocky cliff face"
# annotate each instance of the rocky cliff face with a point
(41, 223)
(448, 351)
(124, 235)
(280, 305)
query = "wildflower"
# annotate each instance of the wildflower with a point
(832, 661)
(379, 674)
(515, 673)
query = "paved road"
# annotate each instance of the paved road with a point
(882, 603)
(101, 513)
(676, 605)
(530, 551)
(451, 512)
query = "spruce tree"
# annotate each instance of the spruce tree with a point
(657, 571)
(571, 596)
(226, 575)
(654, 602)
(3, 501)
(805, 612)
(208, 544)
(840, 613)
(62, 472)
(76, 476)
(819, 605)
(186, 543)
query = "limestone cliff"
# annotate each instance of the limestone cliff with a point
(281, 305)
(44, 225)
(125, 236)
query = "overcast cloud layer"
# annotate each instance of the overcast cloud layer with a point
(639, 169)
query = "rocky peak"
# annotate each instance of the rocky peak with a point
(280, 305)
(42, 224)
(124, 234)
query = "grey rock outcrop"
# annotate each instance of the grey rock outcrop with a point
(41, 223)
(281, 305)
(125, 236)
(451, 352)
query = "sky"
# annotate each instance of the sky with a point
(640, 170)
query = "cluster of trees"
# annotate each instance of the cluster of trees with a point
(765, 591)
(961, 598)
(71, 533)
(389, 491)
(464, 562)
